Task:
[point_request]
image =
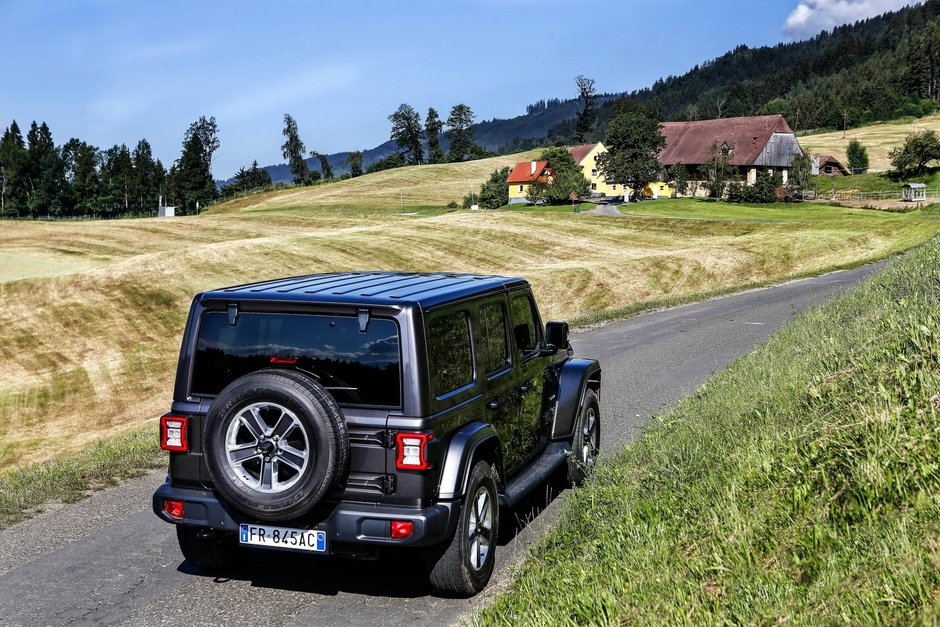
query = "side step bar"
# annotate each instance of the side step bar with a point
(537, 472)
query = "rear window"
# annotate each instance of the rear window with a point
(361, 369)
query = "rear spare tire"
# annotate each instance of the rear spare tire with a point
(275, 444)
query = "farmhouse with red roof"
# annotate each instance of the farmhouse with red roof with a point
(752, 144)
(523, 175)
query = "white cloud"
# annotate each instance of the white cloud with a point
(813, 16)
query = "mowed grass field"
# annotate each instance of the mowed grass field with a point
(877, 138)
(415, 187)
(90, 352)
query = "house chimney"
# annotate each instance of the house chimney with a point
(532, 170)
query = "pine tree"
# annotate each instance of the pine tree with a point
(45, 172)
(12, 175)
(194, 179)
(146, 191)
(117, 175)
(81, 167)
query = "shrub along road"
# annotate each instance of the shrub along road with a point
(109, 560)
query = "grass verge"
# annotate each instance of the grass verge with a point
(72, 477)
(802, 484)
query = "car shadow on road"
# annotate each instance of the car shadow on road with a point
(396, 573)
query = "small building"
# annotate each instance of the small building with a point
(166, 212)
(827, 165)
(915, 192)
(523, 175)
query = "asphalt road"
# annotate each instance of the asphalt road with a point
(109, 560)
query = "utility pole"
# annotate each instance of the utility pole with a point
(845, 117)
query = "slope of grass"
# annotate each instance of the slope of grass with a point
(878, 138)
(415, 187)
(91, 354)
(801, 485)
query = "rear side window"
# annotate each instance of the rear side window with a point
(525, 332)
(449, 354)
(493, 351)
(357, 368)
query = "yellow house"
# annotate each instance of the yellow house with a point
(586, 156)
(523, 175)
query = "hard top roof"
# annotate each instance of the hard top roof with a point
(426, 289)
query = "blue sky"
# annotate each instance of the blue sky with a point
(112, 72)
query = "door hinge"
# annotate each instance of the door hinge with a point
(390, 438)
(388, 484)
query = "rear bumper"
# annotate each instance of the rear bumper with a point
(351, 523)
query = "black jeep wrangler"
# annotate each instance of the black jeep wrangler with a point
(340, 413)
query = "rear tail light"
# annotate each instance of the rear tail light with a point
(173, 508)
(402, 529)
(412, 451)
(173, 433)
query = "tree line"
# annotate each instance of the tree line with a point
(39, 178)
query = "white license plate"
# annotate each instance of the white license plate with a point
(283, 538)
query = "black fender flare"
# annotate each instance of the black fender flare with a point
(462, 451)
(575, 377)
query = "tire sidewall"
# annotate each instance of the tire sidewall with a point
(321, 471)
(482, 475)
(577, 472)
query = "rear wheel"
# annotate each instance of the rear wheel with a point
(586, 441)
(464, 568)
(206, 550)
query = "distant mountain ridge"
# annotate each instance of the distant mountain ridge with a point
(881, 68)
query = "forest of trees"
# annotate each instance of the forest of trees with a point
(39, 178)
(881, 68)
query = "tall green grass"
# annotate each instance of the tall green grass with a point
(800, 485)
(72, 477)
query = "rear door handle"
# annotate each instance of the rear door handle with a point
(496, 403)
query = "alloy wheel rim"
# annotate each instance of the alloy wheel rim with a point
(589, 444)
(267, 448)
(480, 528)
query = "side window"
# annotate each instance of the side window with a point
(449, 354)
(493, 350)
(524, 329)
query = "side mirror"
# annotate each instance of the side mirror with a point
(556, 336)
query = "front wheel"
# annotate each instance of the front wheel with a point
(466, 565)
(207, 550)
(586, 441)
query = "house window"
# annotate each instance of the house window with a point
(613, 187)
(662, 188)
(594, 172)
(594, 186)
(520, 189)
